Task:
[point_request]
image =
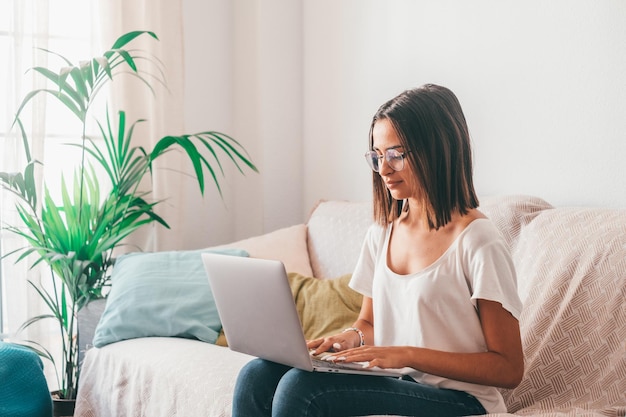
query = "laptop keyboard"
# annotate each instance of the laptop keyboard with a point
(324, 363)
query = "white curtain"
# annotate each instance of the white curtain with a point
(33, 25)
(29, 30)
(162, 110)
(19, 302)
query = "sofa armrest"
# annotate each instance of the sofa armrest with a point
(88, 318)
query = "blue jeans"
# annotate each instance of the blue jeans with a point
(266, 388)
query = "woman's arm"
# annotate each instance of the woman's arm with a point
(349, 339)
(501, 365)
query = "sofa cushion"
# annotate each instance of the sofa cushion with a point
(158, 377)
(287, 245)
(325, 307)
(160, 294)
(336, 233)
(512, 212)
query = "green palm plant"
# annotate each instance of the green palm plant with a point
(76, 236)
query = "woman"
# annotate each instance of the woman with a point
(438, 285)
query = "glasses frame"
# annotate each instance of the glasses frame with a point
(392, 157)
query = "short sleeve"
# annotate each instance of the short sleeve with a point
(491, 272)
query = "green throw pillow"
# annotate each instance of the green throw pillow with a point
(325, 306)
(160, 294)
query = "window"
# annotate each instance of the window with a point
(67, 27)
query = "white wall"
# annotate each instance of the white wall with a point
(543, 85)
(243, 66)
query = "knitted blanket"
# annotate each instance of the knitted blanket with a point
(23, 388)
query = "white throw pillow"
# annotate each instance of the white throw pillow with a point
(336, 233)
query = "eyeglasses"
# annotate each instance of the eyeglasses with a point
(394, 159)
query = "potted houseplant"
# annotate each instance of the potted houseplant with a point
(76, 237)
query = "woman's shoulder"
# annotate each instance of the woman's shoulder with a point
(481, 229)
(376, 229)
(482, 238)
(376, 234)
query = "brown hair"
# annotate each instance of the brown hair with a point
(432, 129)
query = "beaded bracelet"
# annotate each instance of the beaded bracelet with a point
(360, 333)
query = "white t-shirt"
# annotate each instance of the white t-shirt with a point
(436, 307)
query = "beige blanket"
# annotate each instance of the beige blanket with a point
(571, 266)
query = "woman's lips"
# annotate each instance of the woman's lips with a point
(392, 184)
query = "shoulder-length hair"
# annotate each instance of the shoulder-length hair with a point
(433, 132)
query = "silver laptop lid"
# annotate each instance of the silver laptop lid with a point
(257, 310)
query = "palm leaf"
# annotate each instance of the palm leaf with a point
(127, 37)
(165, 143)
(67, 101)
(64, 88)
(79, 76)
(22, 185)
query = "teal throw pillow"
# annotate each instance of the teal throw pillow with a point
(160, 294)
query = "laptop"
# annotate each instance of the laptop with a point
(259, 316)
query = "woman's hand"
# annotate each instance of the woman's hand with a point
(346, 349)
(377, 356)
(336, 343)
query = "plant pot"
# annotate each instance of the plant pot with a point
(62, 407)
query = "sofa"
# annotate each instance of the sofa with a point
(571, 266)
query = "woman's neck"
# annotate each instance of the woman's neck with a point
(415, 217)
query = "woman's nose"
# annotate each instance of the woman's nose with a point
(383, 167)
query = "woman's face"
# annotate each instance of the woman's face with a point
(401, 184)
